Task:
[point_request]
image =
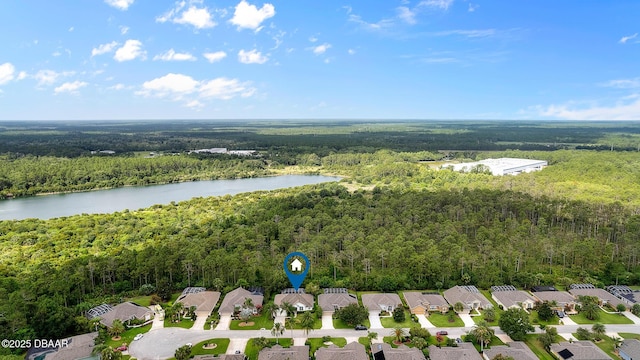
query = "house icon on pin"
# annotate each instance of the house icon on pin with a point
(296, 265)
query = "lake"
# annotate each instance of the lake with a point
(138, 197)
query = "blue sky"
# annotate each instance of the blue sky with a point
(391, 59)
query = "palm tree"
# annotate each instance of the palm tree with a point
(372, 335)
(272, 309)
(277, 330)
(399, 334)
(598, 331)
(117, 328)
(248, 303)
(483, 333)
(458, 307)
(178, 307)
(307, 320)
(591, 311)
(290, 309)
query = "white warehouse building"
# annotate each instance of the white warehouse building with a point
(502, 166)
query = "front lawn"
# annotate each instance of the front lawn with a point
(498, 312)
(388, 322)
(439, 320)
(317, 323)
(259, 322)
(251, 351)
(532, 342)
(535, 320)
(629, 335)
(127, 336)
(316, 343)
(221, 348)
(604, 318)
(494, 342)
(339, 324)
(183, 323)
(607, 345)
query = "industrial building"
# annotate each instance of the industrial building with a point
(502, 166)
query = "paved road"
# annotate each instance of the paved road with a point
(162, 343)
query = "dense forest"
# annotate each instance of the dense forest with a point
(395, 222)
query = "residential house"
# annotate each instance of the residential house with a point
(124, 312)
(469, 296)
(578, 350)
(298, 298)
(422, 303)
(335, 298)
(236, 299)
(277, 352)
(220, 357)
(464, 351)
(204, 301)
(351, 351)
(516, 349)
(625, 294)
(508, 296)
(559, 300)
(76, 348)
(629, 349)
(384, 351)
(603, 296)
(381, 302)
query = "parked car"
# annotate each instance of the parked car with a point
(442, 333)
(560, 313)
(138, 337)
(360, 327)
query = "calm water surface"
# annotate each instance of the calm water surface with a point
(137, 197)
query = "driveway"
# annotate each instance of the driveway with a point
(327, 320)
(201, 319)
(567, 321)
(225, 321)
(237, 345)
(635, 319)
(374, 319)
(467, 320)
(424, 322)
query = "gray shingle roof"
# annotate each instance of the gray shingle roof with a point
(204, 301)
(463, 295)
(464, 351)
(512, 298)
(373, 301)
(517, 350)
(329, 302)
(277, 352)
(352, 351)
(237, 298)
(581, 350)
(305, 299)
(124, 312)
(402, 352)
(631, 348)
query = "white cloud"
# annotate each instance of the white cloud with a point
(468, 33)
(215, 56)
(56, 54)
(380, 25)
(104, 48)
(49, 77)
(200, 18)
(624, 39)
(622, 110)
(251, 57)
(179, 87)
(225, 89)
(130, 50)
(6, 73)
(171, 55)
(442, 4)
(473, 7)
(117, 87)
(71, 29)
(313, 39)
(406, 15)
(248, 16)
(124, 30)
(351, 51)
(22, 75)
(321, 49)
(119, 4)
(70, 87)
(624, 83)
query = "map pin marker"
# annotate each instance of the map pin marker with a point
(296, 266)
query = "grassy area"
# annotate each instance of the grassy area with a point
(317, 324)
(388, 322)
(221, 348)
(532, 342)
(498, 312)
(607, 345)
(604, 318)
(365, 341)
(629, 336)
(339, 324)
(439, 320)
(141, 300)
(487, 294)
(127, 336)
(183, 323)
(259, 322)
(533, 318)
(494, 342)
(316, 343)
(251, 351)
